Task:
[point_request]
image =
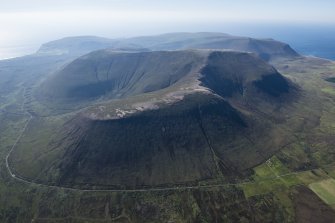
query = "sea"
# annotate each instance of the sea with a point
(310, 40)
(318, 42)
(12, 51)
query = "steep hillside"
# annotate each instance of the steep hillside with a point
(228, 74)
(181, 117)
(110, 74)
(107, 74)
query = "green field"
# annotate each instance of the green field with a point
(329, 90)
(325, 189)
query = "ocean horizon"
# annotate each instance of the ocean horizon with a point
(317, 41)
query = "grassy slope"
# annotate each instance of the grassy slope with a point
(105, 75)
(154, 156)
(325, 189)
(275, 199)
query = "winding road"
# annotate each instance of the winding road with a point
(18, 178)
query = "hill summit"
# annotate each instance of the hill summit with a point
(267, 49)
(159, 118)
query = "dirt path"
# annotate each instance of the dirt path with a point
(174, 188)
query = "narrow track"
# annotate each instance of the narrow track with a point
(174, 188)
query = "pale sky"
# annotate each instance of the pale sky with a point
(32, 22)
